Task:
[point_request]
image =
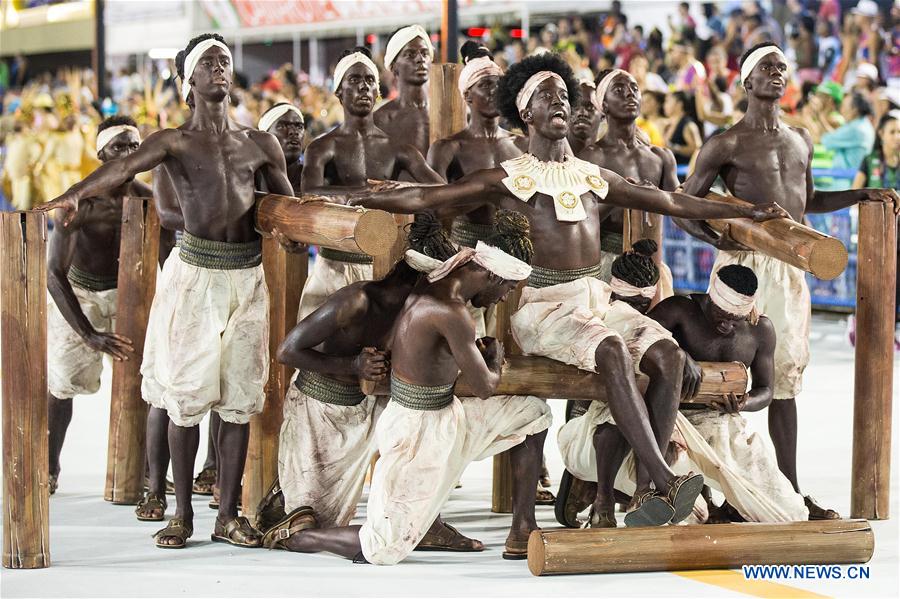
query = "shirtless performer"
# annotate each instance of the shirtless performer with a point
(761, 159)
(586, 119)
(327, 437)
(724, 326)
(343, 159)
(408, 56)
(285, 122)
(426, 435)
(82, 273)
(205, 351)
(564, 198)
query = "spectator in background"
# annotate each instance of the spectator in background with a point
(683, 22)
(866, 79)
(682, 131)
(852, 141)
(639, 67)
(717, 66)
(652, 121)
(713, 21)
(689, 72)
(714, 106)
(829, 51)
(804, 49)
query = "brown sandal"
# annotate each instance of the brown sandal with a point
(650, 509)
(176, 528)
(302, 518)
(602, 519)
(575, 496)
(270, 510)
(515, 550)
(682, 493)
(150, 503)
(238, 532)
(544, 497)
(204, 482)
(817, 512)
(448, 539)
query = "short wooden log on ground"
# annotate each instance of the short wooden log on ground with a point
(698, 547)
(785, 239)
(23, 359)
(873, 384)
(138, 257)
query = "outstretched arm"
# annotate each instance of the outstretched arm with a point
(818, 201)
(413, 163)
(709, 162)
(440, 157)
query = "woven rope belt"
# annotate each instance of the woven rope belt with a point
(220, 255)
(421, 397)
(348, 257)
(612, 242)
(327, 390)
(545, 277)
(90, 281)
(464, 232)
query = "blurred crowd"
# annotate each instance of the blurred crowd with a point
(844, 81)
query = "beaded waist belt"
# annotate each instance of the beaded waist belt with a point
(421, 397)
(465, 232)
(611, 242)
(545, 277)
(220, 255)
(348, 257)
(327, 390)
(90, 281)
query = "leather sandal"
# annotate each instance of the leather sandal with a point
(204, 482)
(601, 519)
(270, 510)
(575, 495)
(682, 493)
(302, 518)
(238, 532)
(176, 528)
(650, 509)
(816, 512)
(543, 496)
(448, 539)
(515, 549)
(148, 504)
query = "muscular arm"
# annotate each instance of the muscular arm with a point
(762, 370)
(457, 327)
(166, 199)
(275, 170)
(440, 157)
(317, 156)
(59, 259)
(412, 162)
(710, 160)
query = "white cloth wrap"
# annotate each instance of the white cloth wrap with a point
(755, 57)
(324, 452)
(476, 70)
(207, 344)
(193, 57)
(110, 133)
(423, 454)
(732, 457)
(493, 259)
(625, 289)
(73, 368)
(271, 116)
(348, 61)
(728, 299)
(531, 85)
(420, 262)
(783, 297)
(604, 84)
(399, 40)
(327, 277)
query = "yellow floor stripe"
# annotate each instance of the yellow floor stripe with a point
(735, 581)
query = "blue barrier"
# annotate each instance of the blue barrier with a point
(838, 173)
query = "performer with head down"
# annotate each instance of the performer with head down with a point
(426, 435)
(285, 122)
(562, 309)
(761, 159)
(587, 120)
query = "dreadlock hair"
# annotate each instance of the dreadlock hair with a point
(636, 266)
(179, 58)
(426, 236)
(115, 121)
(514, 79)
(753, 49)
(472, 50)
(740, 278)
(511, 234)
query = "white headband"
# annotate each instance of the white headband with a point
(493, 259)
(729, 300)
(756, 56)
(604, 84)
(193, 57)
(271, 116)
(107, 135)
(399, 40)
(533, 82)
(625, 289)
(476, 70)
(420, 262)
(348, 61)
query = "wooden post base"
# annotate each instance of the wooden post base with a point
(23, 359)
(699, 547)
(138, 257)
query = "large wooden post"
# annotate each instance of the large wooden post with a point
(446, 106)
(285, 277)
(501, 493)
(23, 351)
(875, 278)
(138, 257)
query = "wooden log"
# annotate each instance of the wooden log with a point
(785, 239)
(873, 382)
(285, 277)
(23, 359)
(313, 221)
(384, 263)
(446, 106)
(138, 258)
(698, 547)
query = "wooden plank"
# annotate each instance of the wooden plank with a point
(138, 258)
(23, 359)
(698, 547)
(446, 106)
(873, 383)
(285, 276)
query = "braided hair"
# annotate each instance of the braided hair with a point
(426, 236)
(511, 234)
(636, 266)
